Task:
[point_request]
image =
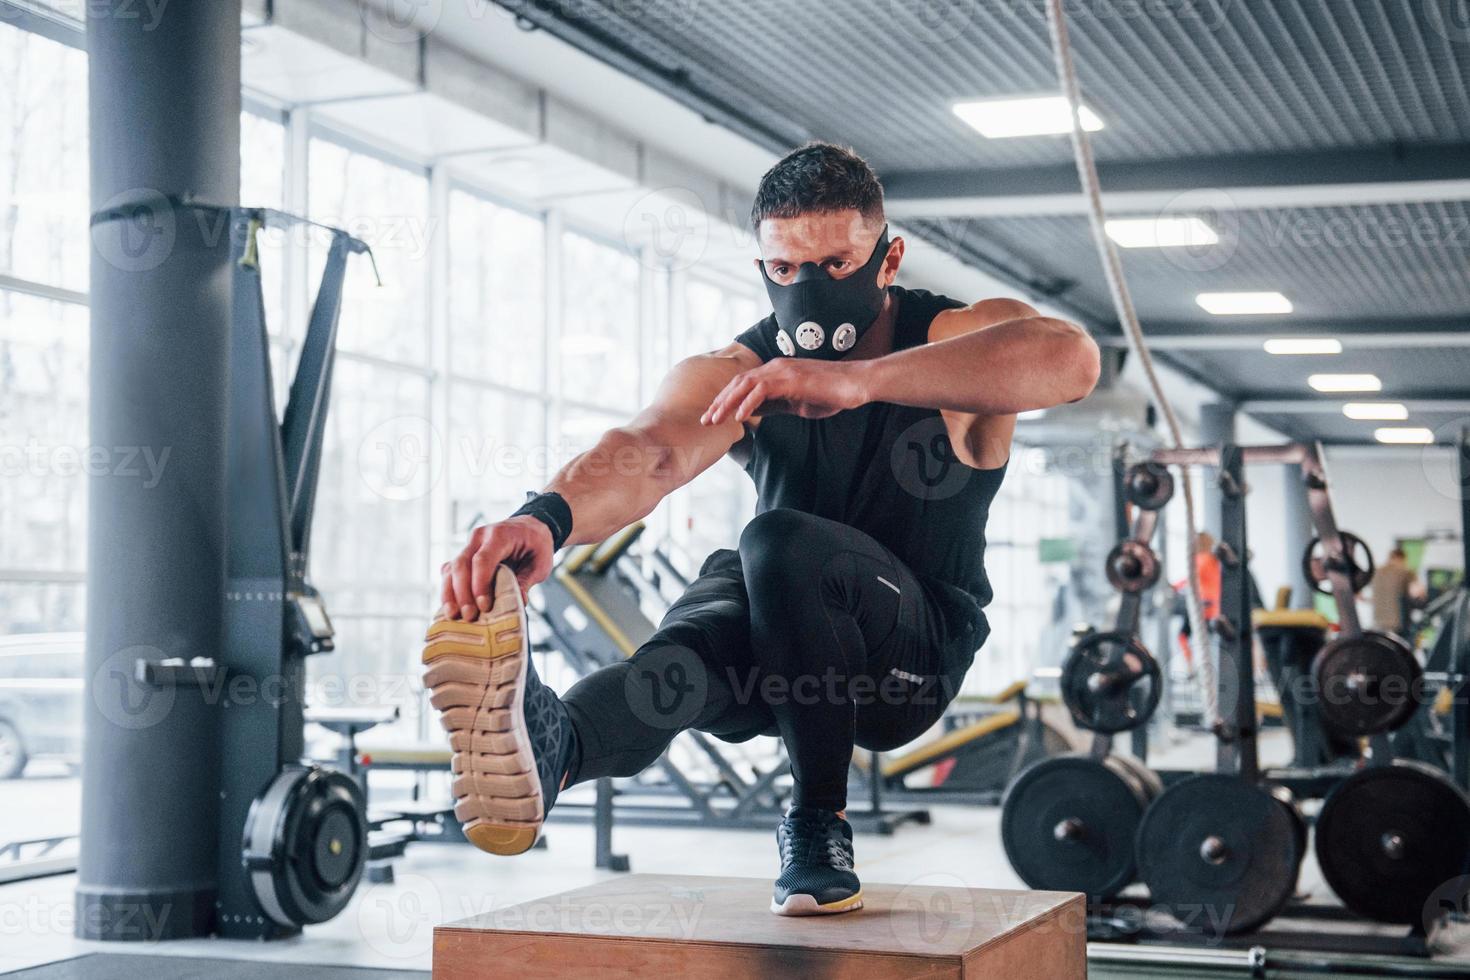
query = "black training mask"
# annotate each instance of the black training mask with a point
(818, 316)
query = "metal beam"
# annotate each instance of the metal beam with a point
(1398, 174)
(676, 81)
(41, 290)
(1354, 335)
(35, 18)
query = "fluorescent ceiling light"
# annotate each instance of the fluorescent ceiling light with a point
(1303, 345)
(1046, 115)
(1244, 304)
(1161, 232)
(1345, 382)
(1404, 436)
(1376, 411)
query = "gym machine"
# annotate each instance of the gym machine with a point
(275, 844)
(293, 837)
(1221, 851)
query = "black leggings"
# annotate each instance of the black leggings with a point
(812, 631)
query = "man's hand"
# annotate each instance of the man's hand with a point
(809, 388)
(523, 543)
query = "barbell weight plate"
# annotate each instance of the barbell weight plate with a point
(1367, 684)
(1218, 854)
(1389, 836)
(1148, 779)
(1148, 485)
(1068, 824)
(1298, 819)
(306, 842)
(1132, 566)
(1110, 683)
(1359, 563)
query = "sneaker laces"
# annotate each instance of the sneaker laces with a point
(814, 840)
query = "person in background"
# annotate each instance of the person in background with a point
(1396, 590)
(1208, 568)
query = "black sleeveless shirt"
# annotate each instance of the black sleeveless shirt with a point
(887, 470)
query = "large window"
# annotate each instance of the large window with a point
(43, 437)
(600, 337)
(380, 465)
(43, 160)
(43, 480)
(386, 206)
(497, 299)
(496, 441)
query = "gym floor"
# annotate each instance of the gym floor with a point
(391, 925)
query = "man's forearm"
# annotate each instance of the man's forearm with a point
(1012, 367)
(621, 480)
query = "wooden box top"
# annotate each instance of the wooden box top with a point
(935, 916)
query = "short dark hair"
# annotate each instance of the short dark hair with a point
(818, 178)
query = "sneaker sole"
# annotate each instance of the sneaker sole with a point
(807, 905)
(476, 679)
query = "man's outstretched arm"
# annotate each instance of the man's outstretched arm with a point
(616, 482)
(633, 467)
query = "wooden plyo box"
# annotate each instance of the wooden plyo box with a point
(655, 926)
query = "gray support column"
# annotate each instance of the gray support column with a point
(1298, 532)
(1216, 428)
(165, 124)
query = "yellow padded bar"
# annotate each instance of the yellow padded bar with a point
(1302, 618)
(611, 549)
(945, 744)
(1008, 693)
(578, 558)
(407, 757)
(599, 615)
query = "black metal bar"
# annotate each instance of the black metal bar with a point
(1210, 456)
(1319, 502)
(603, 821)
(303, 427)
(1235, 678)
(1464, 470)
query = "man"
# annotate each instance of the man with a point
(1396, 590)
(876, 422)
